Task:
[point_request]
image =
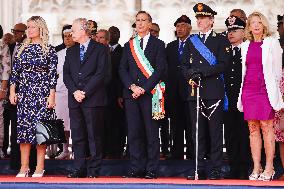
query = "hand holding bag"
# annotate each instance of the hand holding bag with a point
(50, 131)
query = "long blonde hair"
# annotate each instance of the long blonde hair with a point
(43, 32)
(263, 19)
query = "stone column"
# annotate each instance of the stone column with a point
(10, 12)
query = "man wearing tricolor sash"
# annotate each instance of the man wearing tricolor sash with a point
(141, 70)
(205, 58)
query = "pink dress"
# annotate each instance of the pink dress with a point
(255, 100)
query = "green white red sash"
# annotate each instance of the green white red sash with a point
(158, 100)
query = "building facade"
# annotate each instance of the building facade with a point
(121, 13)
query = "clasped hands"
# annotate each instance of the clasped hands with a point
(79, 95)
(137, 91)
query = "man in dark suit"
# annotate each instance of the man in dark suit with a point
(206, 56)
(236, 129)
(83, 74)
(177, 92)
(141, 69)
(115, 133)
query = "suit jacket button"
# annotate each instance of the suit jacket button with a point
(80, 84)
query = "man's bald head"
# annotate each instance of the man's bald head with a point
(19, 32)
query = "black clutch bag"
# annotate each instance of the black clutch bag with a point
(50, 131)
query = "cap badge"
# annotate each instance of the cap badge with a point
(199, 7)
(231, 20)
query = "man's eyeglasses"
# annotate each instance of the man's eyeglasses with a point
(17, 31)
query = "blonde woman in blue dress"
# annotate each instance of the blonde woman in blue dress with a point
(32, 89)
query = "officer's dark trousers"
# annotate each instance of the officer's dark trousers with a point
(237, 140)
(215, 126)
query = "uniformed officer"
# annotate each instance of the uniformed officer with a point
(205, 58)
(236, 129)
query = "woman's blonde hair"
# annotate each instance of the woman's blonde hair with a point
(263, 19)
(43, 34)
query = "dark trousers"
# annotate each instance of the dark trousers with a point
(10, 116)
(114, 131)
(86, 130)
(215, 126)
(237, 141)
(6, 115)
(180, 124)
(165, 135)
(143, 134)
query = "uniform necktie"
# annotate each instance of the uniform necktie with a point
(180, 50)
(235, 51)
(203, 37)
(141, 43)
(82, 52)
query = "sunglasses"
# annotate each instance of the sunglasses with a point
(15, 31)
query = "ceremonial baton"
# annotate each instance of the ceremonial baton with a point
(193, 85)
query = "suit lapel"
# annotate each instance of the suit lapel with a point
(77, 56)
(265, 51)
(148, 46)
(210, 36)
(89, 51)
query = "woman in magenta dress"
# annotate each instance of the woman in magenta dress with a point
(260, 94)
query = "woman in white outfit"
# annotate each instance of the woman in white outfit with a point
(61, 98)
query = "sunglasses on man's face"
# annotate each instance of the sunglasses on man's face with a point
(17, 31)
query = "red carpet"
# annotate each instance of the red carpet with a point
(116, 180)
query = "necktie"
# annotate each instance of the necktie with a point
(203, 37)
(141, 43)
(111, 48)
(82, 52)
(235, 51)
(180, 50)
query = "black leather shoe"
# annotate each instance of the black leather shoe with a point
(215, 174)
(150, 175)
(201, 175)
(133, 174)
(77, 174)
(92, 176)
(231, 175)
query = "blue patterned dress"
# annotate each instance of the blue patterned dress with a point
(34, 74)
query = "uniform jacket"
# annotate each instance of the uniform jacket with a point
(272, 70)
(212, 86)
(233, 80)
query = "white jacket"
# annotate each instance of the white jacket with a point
(272, 70)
